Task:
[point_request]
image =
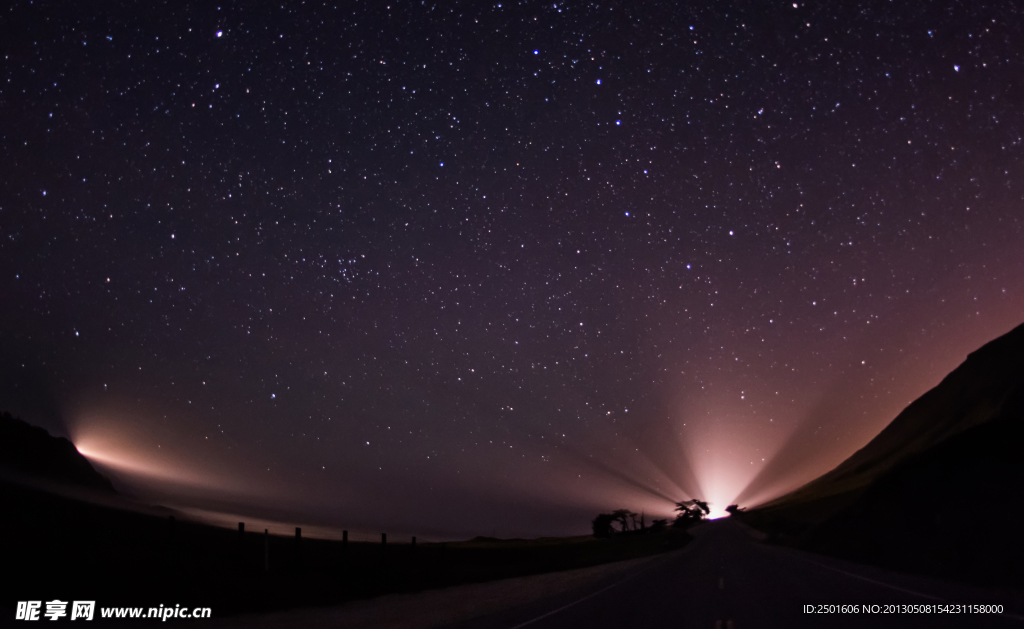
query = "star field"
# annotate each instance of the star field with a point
(458, 267)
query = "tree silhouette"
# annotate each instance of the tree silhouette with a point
(690, 512)
(622, 516)
(733, 510)
(603, 525)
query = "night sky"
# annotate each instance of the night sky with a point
(492, 268)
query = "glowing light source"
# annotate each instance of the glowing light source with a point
(118, 457)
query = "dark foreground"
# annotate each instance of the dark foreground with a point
(59, 548)
(727, 576)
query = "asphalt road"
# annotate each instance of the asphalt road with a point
(727, 578)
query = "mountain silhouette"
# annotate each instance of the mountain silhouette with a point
(30, 452)
(974, 393)
(938, 490)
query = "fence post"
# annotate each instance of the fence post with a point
(171, 547)
(240, 545)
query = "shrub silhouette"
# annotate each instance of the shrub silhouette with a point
(733, 510)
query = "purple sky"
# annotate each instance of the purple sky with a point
(464, 269)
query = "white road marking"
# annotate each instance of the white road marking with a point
(588, 596)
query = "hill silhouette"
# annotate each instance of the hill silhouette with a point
(938, 489)
(29, 451)
(954, 509)
(974, 393)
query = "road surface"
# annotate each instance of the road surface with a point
(728, 579)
